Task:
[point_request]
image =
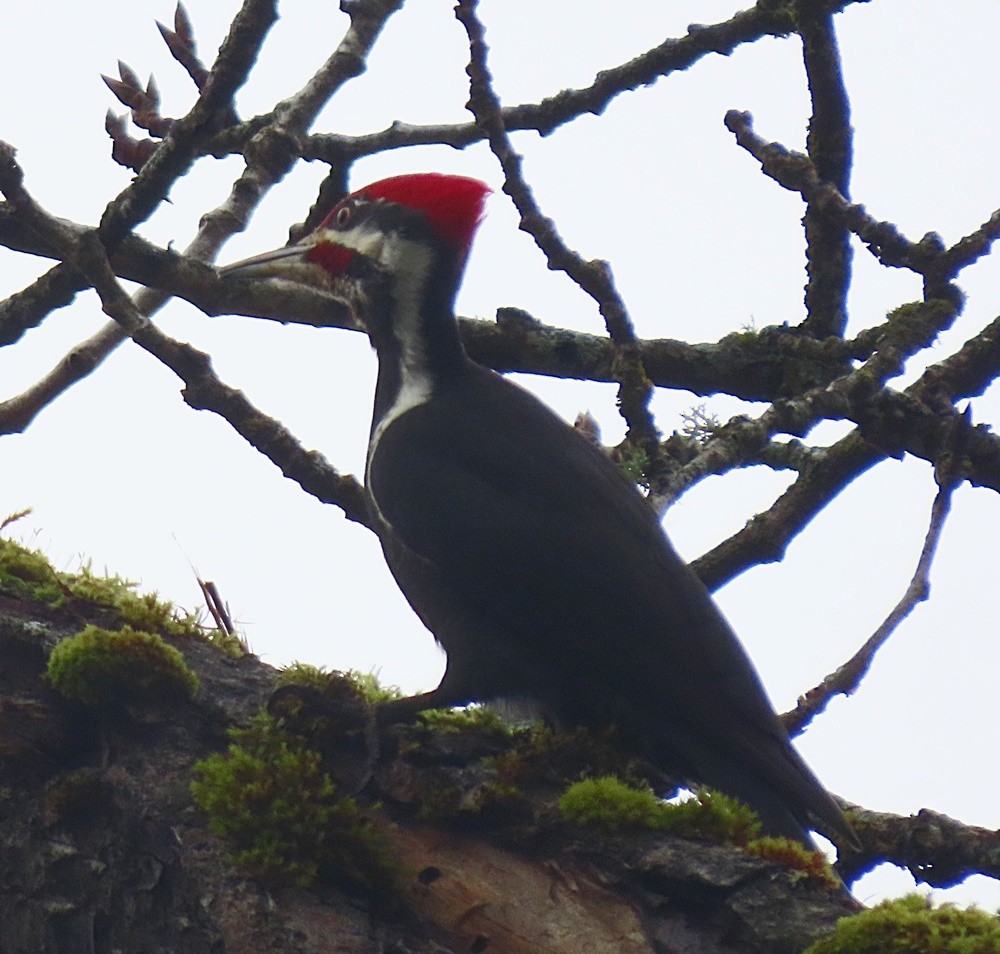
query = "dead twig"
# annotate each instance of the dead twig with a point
(846, 679)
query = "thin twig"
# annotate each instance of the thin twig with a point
(270, 155)
(141, 197)
(846, 679)
(765, 538)
(217, 607)
(671, 56)
(203, 390)
(851, 396)
(970, 248)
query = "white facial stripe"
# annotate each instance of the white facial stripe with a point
(409, 263)
(370, 242)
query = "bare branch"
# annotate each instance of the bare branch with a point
(970, 248)
(672, 55)
(269, 156)
(848, 677)
(17, 412)
(935, 849)
(594, 277)
(177, 151)
(138, 200)
(968, 372)
(26, 309)
(752, 367)
(855, 396)
(766, 537)
(203, 389)
(795, 172)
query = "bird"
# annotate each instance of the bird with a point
(538, 566)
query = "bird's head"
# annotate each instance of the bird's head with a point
(406, 228)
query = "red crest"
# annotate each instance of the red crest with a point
(454, 205)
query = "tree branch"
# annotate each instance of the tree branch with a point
(934, 848)
(136, 203)
(203, 389)
(672, 55)
(830, 147)
(270, 154)
(795, 172)
(594, 277)
(766, 536)
(848, 677)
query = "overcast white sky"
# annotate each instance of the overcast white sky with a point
(120, 471)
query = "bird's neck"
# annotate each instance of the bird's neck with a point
(412, 326)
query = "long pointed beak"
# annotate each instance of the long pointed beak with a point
(315, 264)
(272, 264)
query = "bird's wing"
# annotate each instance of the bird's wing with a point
(541, 537)
(526, 519)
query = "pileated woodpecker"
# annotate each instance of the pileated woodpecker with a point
(536, 564)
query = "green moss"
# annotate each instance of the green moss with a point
(305, 674)
(712, 814)
(911, 925)
(319, 706)
(106, 667)
(370, 689)
(139, 610)
(27, 575)
(270, 799)
(610, 803)
(914, 325)
(365, 684)
(471, 718)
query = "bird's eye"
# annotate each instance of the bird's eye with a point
(343, 217)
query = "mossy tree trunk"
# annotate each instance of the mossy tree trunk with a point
(104, 849)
